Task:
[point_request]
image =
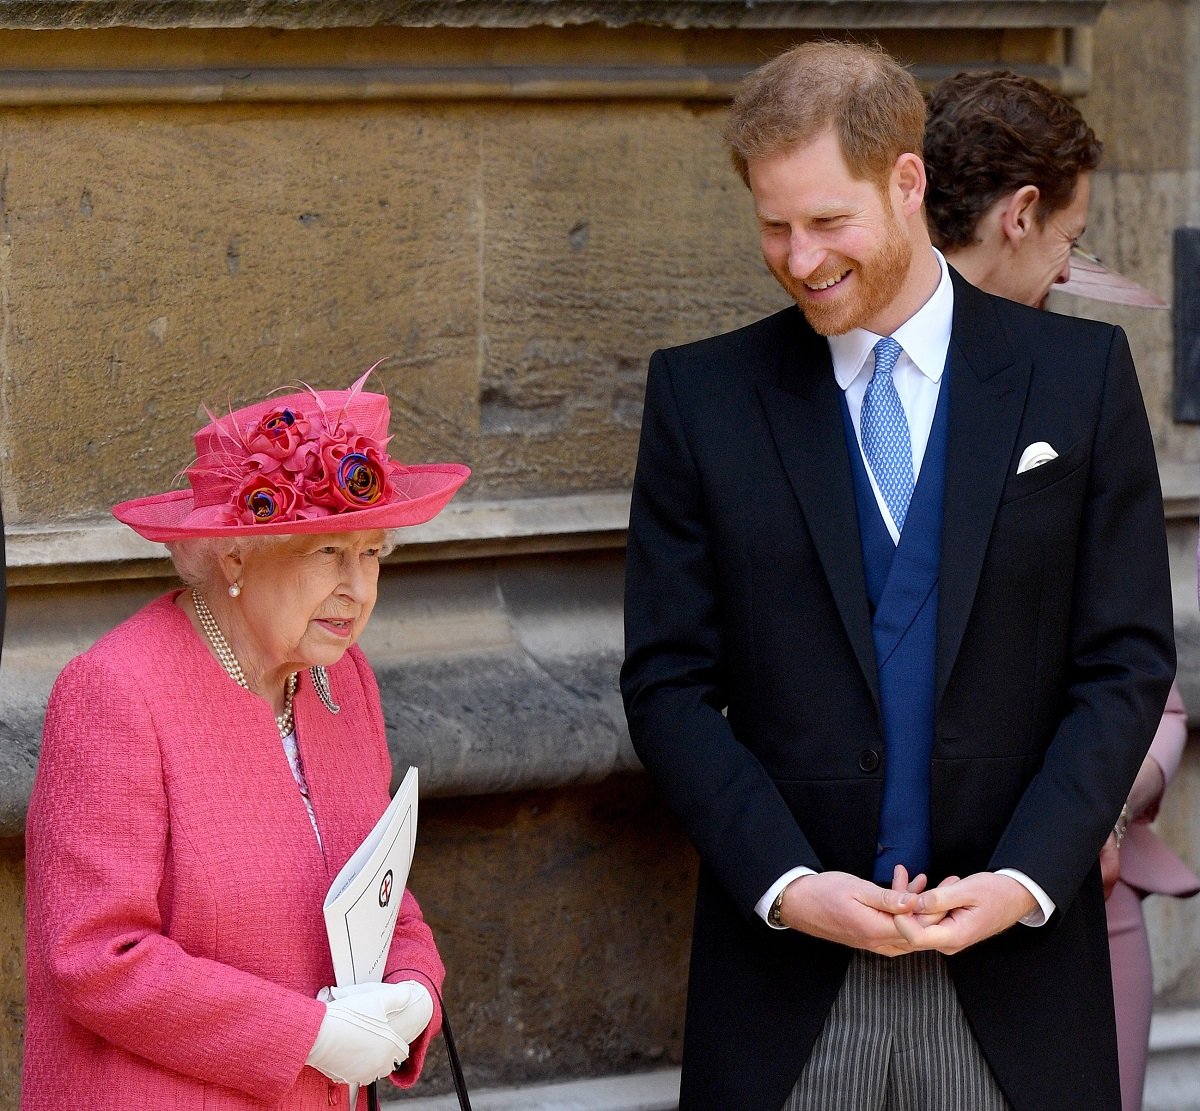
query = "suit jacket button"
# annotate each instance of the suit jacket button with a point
(868, 760)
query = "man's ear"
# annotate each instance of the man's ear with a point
(1019, 214)
(908, 179)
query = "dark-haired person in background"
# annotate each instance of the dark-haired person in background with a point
(1009, 164)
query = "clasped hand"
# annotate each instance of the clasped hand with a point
(906, 917)
(368, 1028)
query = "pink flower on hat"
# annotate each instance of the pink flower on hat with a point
(263, 499)
(312, 462)
(351, 472)
(296, 467)
(280, 439)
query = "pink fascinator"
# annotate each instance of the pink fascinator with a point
(311, 461)
(1091, 278)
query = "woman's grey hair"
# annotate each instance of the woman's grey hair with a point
(196, 558)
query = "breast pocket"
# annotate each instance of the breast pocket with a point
(1040, 478)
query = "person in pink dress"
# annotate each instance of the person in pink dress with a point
(207, 768)
(1009, 164)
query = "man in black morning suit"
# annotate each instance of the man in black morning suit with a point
(898, 634)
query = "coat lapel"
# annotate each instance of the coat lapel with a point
(800, 397)
(987, 399)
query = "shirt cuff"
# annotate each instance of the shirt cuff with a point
(763, 905)
(1041, 913)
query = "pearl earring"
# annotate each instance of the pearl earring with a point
(235, 590)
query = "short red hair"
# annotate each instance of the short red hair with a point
(870, 101)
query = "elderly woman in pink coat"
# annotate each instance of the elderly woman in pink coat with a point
(207, 768)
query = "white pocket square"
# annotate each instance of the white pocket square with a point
(1035, 455)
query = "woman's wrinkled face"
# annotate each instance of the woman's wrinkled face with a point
(305, 600)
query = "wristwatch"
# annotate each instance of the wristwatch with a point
(773, 918)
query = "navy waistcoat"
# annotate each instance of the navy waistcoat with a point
(902, 588)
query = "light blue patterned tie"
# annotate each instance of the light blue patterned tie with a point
(884, 430)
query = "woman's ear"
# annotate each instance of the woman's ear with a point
(231, 564)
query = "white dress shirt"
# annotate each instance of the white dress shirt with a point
(925, 339)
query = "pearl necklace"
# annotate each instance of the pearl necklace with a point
(212, 631)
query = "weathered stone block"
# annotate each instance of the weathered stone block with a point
(252, 250)
(611, 231)
(564, 919)
(1144, 67)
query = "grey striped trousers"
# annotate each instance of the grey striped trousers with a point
(896, 1040)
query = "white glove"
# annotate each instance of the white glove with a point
(356, 1043)
(406, 1018)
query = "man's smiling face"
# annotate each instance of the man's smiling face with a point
(833, 241)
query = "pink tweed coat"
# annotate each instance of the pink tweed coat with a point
(175, 941)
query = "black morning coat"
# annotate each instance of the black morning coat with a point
(751, 691)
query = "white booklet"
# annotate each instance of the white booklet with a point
(363, 902)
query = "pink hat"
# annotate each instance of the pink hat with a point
(309, 462)
(1091, 278)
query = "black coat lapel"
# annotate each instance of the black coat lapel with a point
(987, 398)
(801, 399)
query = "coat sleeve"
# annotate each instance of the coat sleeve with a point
(674, 678)
(1168, 743)
(413, 955)
(96, 845)
(1121, 651)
